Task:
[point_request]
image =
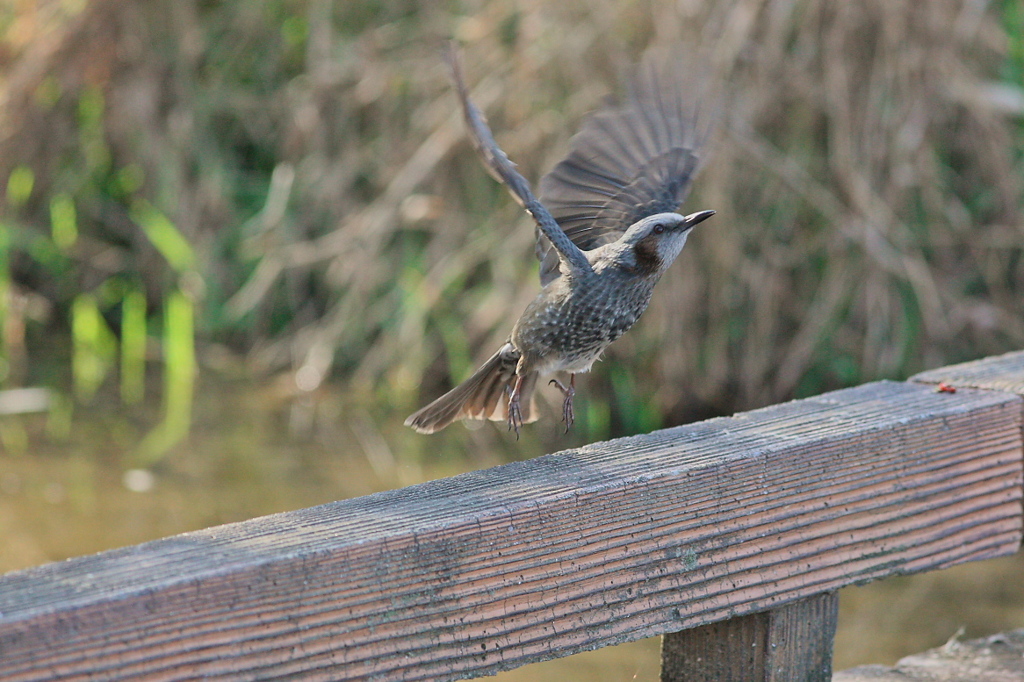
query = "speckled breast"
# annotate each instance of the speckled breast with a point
(567, 328)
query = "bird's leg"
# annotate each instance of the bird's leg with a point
(568, 416)
(515, 413)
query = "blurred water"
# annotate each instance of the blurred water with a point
(258, 449)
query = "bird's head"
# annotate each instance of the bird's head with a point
(654, 242)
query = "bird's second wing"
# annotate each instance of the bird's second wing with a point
(498, 164)
(627, 162)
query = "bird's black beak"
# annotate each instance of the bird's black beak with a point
(694, 218)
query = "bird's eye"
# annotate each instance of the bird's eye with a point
(659, 228)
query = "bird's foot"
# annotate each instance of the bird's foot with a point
(515, 415)
(515, 412)
(568, 415)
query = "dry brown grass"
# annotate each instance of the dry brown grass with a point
(867, 183)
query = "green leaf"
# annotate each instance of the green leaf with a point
(63, 222)
(171, 244)
(94, 346)
(19, 186)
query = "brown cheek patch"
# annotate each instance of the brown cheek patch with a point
(647, 259)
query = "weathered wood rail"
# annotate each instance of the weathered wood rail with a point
(996, 658)
(733, 534)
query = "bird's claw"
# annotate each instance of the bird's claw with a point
(568, 415)
(515, 412)
(515, 416)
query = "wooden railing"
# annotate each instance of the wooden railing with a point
(729, 536)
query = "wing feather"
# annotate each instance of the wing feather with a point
(628, 161)
(501, 167)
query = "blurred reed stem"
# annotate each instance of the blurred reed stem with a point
(133, 347)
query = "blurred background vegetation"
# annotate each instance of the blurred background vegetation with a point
(240, 242)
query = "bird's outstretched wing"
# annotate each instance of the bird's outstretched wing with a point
(561, 248)
(628, 161)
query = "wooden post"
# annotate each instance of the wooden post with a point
(791, 642)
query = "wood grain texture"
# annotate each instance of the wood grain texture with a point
(490, 570)
(1000, 373)
(789, 642)
(999, 658)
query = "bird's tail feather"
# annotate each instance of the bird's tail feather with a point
(482, 396)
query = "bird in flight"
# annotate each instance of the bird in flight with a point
(607, 229)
